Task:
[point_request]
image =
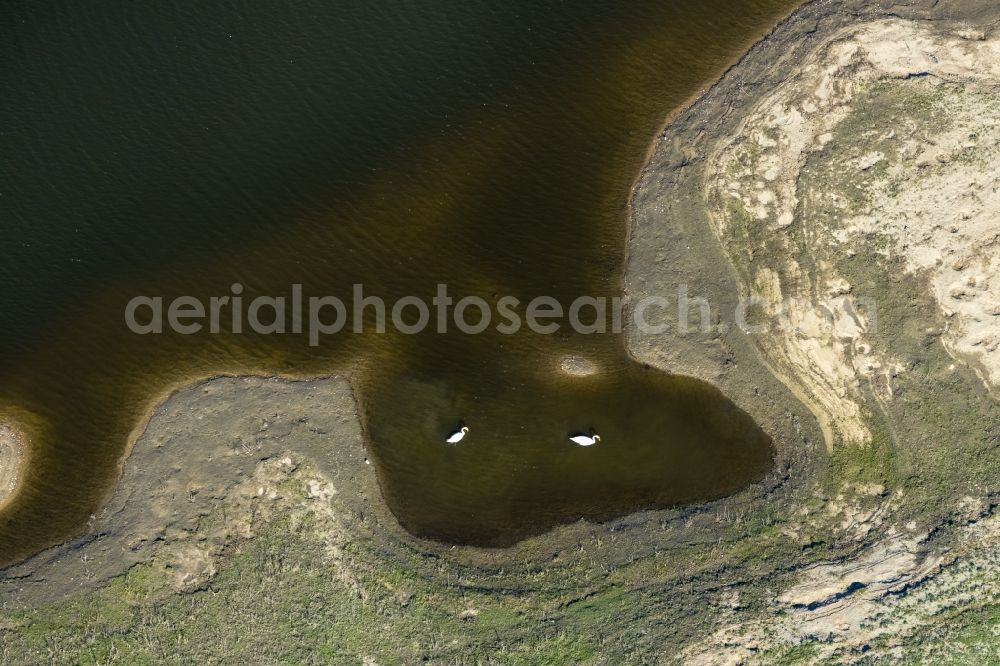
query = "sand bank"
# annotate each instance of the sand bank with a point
(13, 453)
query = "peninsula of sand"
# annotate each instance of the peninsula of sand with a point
(12, 456)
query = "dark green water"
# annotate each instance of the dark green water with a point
(153, 149)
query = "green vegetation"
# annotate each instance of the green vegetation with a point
(286, 596)
(278, 600)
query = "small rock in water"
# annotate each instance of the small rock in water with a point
(577, 366)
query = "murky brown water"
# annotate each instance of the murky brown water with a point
(144, 151)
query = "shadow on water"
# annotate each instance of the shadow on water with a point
(148, 151)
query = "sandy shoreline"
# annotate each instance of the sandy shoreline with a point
(15, 444)
(13, 460)
(199, 450)
(861, 553)
(13, 457)
(873, 209)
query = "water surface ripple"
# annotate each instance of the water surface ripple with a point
(150, 149)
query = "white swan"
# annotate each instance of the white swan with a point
(585, 440)
(456, 437)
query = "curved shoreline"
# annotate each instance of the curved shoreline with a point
(14, 455)
(695, 98)
(199, 453)
(20, 451)
(782, 563)
(162, 399)
(163, 396)
(936, 413)
(701, 369)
